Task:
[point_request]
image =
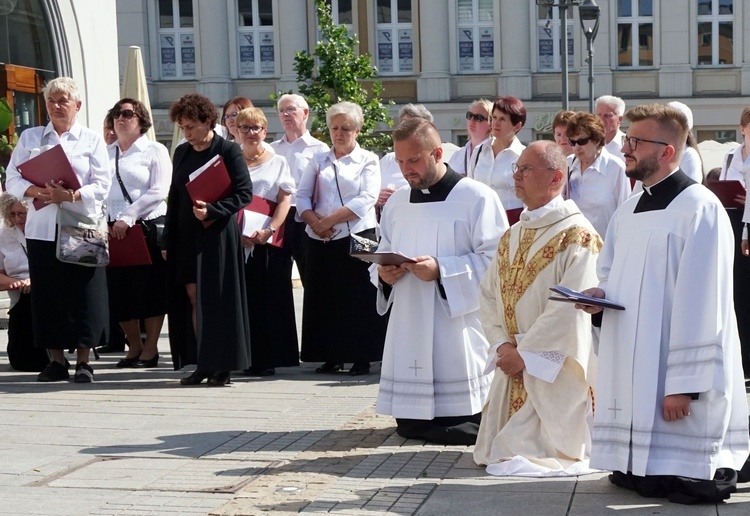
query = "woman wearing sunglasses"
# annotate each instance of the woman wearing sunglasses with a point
(141, 172)
(478, 127)
(268, 266)
(596, 179)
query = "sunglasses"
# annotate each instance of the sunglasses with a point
(476, 117)
(127, 114)
(252, 129)
(580, 141)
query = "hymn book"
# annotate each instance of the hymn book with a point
(572, 296)
(50, 166)
(383, 257)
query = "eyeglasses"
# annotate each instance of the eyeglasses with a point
(632, 142)
(476, 117)
(230, 115)
(288, 111)
(252, 129)
(526, 169)
(17, 214)
(127, 114)
(580, 141)
(60, 102)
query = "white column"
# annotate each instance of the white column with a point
(675, 72)
(743, 38)
(515, 52)
(434, 83)
(214, 77)
(291, 24)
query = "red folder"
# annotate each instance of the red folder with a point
(131, 250)
(212, 182)
(264, 207)
(513, 215)
(727, 191)
(51, 165)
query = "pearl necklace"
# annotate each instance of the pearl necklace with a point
(256, 157)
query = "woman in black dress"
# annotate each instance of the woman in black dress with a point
(208, 323)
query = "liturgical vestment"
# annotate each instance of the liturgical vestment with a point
(539, 424)
(433, 362)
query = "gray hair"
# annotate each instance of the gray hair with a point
(415, 111)
(297, 100)
(350, 110)
(62, 84)
(6, 203)
(615, 102)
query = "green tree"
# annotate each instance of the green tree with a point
(334, 73)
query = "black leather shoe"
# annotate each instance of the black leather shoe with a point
(151, 362)
(196, 378)
(359, 368)
(330, 367)
(220, 378)
(128, 362)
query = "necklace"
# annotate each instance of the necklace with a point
(255, 158)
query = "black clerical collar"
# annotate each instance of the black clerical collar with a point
(660, 195)
(439, 191)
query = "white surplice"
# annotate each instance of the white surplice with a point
(549, 434)
(672, 271)
(435, 350)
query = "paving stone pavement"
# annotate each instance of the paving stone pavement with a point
(135, 442)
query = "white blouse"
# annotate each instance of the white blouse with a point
(298, 155)
(271, 176)
(497, 171)
(358, 179)
(146, 172)
(390, 173)
(13, 259)
(600, 189)
(462, 160)
(88, 157)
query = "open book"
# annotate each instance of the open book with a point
(572, 296)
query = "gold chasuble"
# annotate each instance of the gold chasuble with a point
(539, 418)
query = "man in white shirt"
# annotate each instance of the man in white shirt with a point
(298, 147)
(611, 109)
(671, 413)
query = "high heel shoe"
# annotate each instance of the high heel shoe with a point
(196, 378)
(128, 362)
(220, 378)
(330, 367)
(151, 362)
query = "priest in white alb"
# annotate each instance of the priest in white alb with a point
(537, 419)
(432, 379)
(671, 410)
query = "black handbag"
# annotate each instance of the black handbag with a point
(153, 229)
(357, 243)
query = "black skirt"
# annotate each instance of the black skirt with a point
(22, 354)
(340, 322)
(138, 292)
(273, 330)
(69, 302)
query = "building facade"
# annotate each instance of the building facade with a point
(446, 53)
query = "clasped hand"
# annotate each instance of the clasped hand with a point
(54, 193)
(426, 268)
(323, 227)
(509, 359)
(259, 237)
(22, 285)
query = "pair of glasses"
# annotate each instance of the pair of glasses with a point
(632, 142)
(525, 170)
(230, 115)
(580, 141)
(127, 114)
(252, 129)
(288, 111)
(476, 117)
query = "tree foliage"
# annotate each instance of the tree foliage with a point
(334, 73)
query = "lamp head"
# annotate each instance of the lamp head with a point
(588, 10)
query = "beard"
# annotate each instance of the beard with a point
(643, 168)
(427, 180)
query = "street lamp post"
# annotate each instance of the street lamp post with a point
(562, 7)
(589, 13)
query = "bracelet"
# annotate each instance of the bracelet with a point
(72, 196)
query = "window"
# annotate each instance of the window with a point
(715, 32)
(476, 36)
(395, 54)
(635, 33)
(176, 39)
(548, 38)
(255, 38)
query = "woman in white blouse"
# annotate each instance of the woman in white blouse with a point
(478, 126)
(493, 167)
(268, 269)
(141, 173)
(69, 304)
(14, 277)
(596, 179)
(336, 198)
